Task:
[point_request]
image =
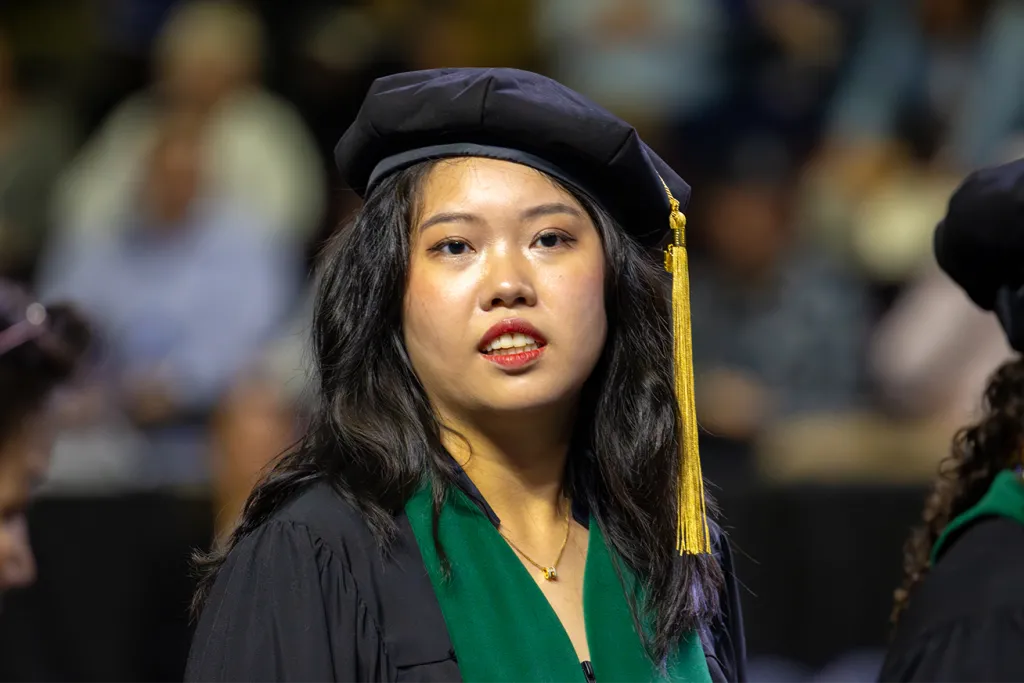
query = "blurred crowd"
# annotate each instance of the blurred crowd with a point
(167, 166)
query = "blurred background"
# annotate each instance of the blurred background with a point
(167, 166)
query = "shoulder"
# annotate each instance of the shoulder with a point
(315, 533)
(320, 505)
(314, 545)
(967, 606)
(286, 604)
(330, 520)
(980, 571)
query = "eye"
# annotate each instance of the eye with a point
(451, 247)
(553, 239)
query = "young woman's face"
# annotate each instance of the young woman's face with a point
(504, 309)
(24, 459)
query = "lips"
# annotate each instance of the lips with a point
(511, 336)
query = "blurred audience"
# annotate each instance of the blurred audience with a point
(185, 291)
(655, 62)
(939, 75)
(187, 288)
(778, 329)
(933, 91)
(932, 355)
(262, 415)
(35, 143)
(259, 152)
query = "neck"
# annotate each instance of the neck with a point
(518, 465)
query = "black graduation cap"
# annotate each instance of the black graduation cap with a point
(533, 120)
(980, 243)
(516, 116)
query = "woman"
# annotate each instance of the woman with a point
(497, 417)
(960, 614)
(39, 349)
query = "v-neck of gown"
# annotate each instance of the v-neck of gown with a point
(502, 625)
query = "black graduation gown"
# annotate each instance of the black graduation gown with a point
(965, 622)
(307, 597)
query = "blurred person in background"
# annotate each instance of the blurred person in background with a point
(36, 141)
(184, 295)
(937, 77)
(266, 410)
(934, 89)
(372, 551)
(785, 57)
(932, 354)
(186, 290)
(959, 614)
(778, 326)
(40, 349)
(259, 153)
(658, 63)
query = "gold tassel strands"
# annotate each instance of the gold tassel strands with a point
(692, 536)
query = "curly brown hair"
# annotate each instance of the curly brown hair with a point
(979, 453)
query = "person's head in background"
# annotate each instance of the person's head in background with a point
(40, 348)
(207, 50)
(979, 245)
(747, 222)
(951, 19)
(173, 173)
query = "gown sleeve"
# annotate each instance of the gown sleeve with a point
(980, 648)
(727, 634)
(284, 608)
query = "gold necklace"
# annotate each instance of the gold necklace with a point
(549, 572)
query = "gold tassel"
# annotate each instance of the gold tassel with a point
(692, 534)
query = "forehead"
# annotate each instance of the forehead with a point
(483, 183)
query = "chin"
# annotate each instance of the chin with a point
(525, 399)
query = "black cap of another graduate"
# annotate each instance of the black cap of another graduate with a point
(980, 243)
(529, 119)
(516, 116)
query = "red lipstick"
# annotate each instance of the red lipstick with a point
(512, 360)
(510, 326)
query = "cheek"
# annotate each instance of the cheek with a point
(435, 313)
(580, 309)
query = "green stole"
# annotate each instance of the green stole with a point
(503, 628)
(1005, 498)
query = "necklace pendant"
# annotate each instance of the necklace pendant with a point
(550, 573)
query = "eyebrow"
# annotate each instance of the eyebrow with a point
(550, 209)
(449, 217)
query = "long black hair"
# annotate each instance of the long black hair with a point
(374, 436)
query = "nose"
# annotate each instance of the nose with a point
(17, 564)
(8, 555)
(508, 282)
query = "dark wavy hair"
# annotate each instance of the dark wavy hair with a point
(374, 436)
(979, 453)
(40, 348)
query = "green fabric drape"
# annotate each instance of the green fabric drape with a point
(503, 628)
